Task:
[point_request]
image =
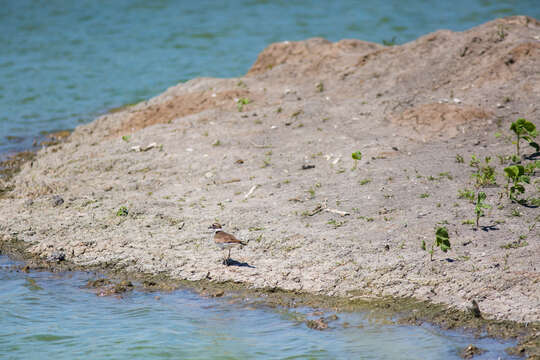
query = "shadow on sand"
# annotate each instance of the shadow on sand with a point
(232, 262)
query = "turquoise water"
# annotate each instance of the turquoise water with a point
(49, 315)
(64, 62)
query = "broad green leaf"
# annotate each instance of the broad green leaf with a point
(513, 127)
(529, 126)
(511, 171)
(520, 122)
(481, 196)
(525, 179)
(442, 232)
(445, 245)
(357, 155)
(534, 145)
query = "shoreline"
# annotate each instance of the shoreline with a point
(268, 155)
(387, 310)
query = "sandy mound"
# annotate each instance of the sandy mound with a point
(278, 173)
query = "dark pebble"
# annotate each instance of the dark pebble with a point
(57, 200)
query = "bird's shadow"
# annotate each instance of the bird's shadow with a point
(232, 262)
(489, 228)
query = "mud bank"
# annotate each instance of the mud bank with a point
(269, 156)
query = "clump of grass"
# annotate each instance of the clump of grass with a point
(241, 103)
(515, 244)
(484, 175)
(466, 194)
(336, 224)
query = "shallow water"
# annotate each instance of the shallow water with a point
(52, 315)
(64, 62)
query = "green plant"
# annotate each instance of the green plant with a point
(446, 175)
(441, 240)
(515, 212)
(503, 159)
(390, 42)
(424, 196)
(336, 223)
(484, 175)
(320, 86)
(530, 168)
(122, 211)
(241, 102)
(475, 162)
(480, 206)
(515, 244)
(500, 32)
(466, 194)
(525, 130)
(516, 176)
(357, 155)
(365, 181)
(459, 159)
(126, 138)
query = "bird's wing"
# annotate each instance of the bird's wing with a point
(224, 237)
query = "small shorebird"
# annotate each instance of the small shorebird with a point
(224, 240)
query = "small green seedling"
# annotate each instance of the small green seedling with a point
(480, 206)
(441, 240)
(357, 155)
(466, 194)
(122, 211)
(530, 168)
(241, 102)
(485, 174)
(525, 130)
(475, 162)
(516, 176)
(126, 138)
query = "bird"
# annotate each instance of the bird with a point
(225, 240)
(475, 309)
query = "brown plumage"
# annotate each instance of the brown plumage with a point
(225, 240)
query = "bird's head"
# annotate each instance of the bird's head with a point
(215, 226)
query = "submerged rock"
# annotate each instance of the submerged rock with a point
(318, 324)
(471, 351)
